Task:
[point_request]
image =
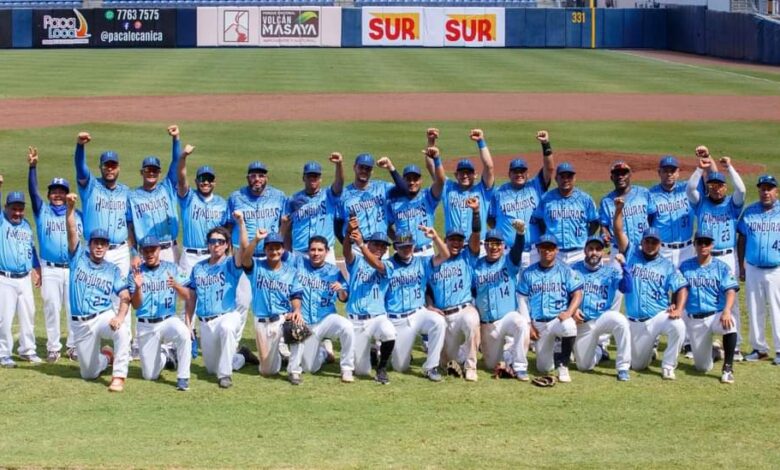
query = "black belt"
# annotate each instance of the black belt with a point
(166, 245)
(422, 248)
(483, 322)
(55, 265)
(113, 246)
(639, 320)
(765, 267)
(545, 321)
(13, 275)
(197, 251)
(675, 246)
(360, 317)
(83, 317)
(208, 319)
(153, 320)
(699, 316)
(271, 319)
(569, 250)
(401, 315)
(722, 252)
(455, 309)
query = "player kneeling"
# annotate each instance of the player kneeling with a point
(599, 285)
(712, 291)
(154, 287)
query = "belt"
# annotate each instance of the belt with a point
(208, 319)
(360, 317)
(765, 267)
(545, 320)
(83, 317)
(197, 251)
(13, 275)
(55, 265)
(114, 246)
(398, 316)
(166, 245)
(153, 320)
(271, 319)
(423, 248)
(699, 316)
(455, 309)
(639, 320)
(722, 252)
(483, 322)
(675, 246)
(569, 250)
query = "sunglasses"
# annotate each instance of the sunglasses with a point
(152, 170)
(704, 242)
(205, 179)
(217, 241)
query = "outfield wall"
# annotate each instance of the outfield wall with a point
(689, 29)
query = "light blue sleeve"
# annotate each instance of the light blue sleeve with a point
(676, 281)
(573, 281)
(524, 287)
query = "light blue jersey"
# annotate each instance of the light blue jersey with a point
(52, 233)
(548, 289)
(154, 212)
(408, 214)
(199, 216)
(761, 229)
(495, 285)
(638, 209)
(719, 219)
(16, 246)
(653, 282)
(369, 205)
(674, 213)
(92, 285)
(157, 299)
(457, 215)
(318, 300)
(567, 218)
(272, 289)
(707, 285)
(407, 283)
(263, 211)
(451, 281)
(105, 208)
(509, 203)
(367, 289)
(215, 286)
(598, 288)
(312, 215)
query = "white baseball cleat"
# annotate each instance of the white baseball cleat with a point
(347, 377)
(668, 373)
(727, 377)
(563, 374)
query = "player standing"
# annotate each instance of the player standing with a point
(638, 207)
(674, 212)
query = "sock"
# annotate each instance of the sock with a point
(567, 344)
(729, 344)
(385, 351)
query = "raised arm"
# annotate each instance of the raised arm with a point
(692, 189)
(173, 169)
(618, 226)
(433, 156)
(352, 226)
(516, 252)
(182, 186)
(488, 171)
(739, 186)
(476, 225)
(338, 175)
(399, 182)
(626, 284)
(82, 171)
(372, 260)
(548, 160)
(432, 134)
(442, 252)
(71, 224)
(702, 152)
(32, 180)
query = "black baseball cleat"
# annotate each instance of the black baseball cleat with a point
(381, 376)
(171, 360)
(249, 357)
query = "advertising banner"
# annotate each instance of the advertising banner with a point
(62, 28)
(5, 28)
(237, 26)
(134, 27)
(392, 26)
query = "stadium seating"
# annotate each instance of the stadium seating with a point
(40, 3)
(210, 3)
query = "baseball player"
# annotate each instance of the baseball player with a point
(201, 210)
(717, 213)
(154, 287)
(638, 210)
(674, 213)
(19, 270)
(276, 296)
(759, 245)
(594, 318)
(366, 305)
(53, 242)
(712, 289)
(494, 280)
(311, 211)
(151, 207)
(567, 213)
(405, 300)
(213, 284)
(322, 284)
(95, 281)
(552, 292)
(406, 213)
(517, 198)
(457, 215)
(648, 308)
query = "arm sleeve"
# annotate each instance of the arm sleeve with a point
(626, 284)
(692, 190)
(36, 262)
(32, 188)
(739, 187)
(173, 170)
(82, 171)
(516, 253)
(400, 183)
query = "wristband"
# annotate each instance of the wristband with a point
(481, 144)
(546, 149)
(436, 162)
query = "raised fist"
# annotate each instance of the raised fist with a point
(705, 163)
(261, 233)
(620, 259)
(472, 203)
(702, 151)
(543, 137)
(336, 157)
(476, 135)
(431, 152)
(519, 226)
(385, 163)
(173, 130)
(725, 161)
(619, 203)
(83, 138)
(238, 216)
(70, 200)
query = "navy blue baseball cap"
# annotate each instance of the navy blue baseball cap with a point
(365, 159)
(98, 234)
(59, 183)
(455, 233)
(651, 232)
(150, 241)
(378, 237)
(274, 237)
(547, 239)
(668, 160)
(595, 238)
(704, 234)
(109, 156)
(494, 234)
(716, 176)
(15, 197)
(518, 164)
(767, 179)
(565, 167)
(412, 170)
(403, 239)
(257, 167)
(205, 170)
(151, 161)
(312, 167)
(465, 165)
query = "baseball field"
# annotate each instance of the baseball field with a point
(285, 107)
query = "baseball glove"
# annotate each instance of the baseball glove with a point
(503, 371)
(455, 370)
(295, 332)
(544, 381)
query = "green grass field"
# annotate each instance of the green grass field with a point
(52, 418)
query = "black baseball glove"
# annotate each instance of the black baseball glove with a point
(295, 332)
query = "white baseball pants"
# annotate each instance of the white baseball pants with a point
(610, 322)
(310, 355)
(268, 335)
(510, 334)
(461, 339)
(55, 291)
(763, 293)
(677, 255)
(218, 343)
(243, 302)
(377, 328)
(16, 297)
(422, 321)
(545, 345)
(644, 334)
(188, 260)
(571, 257)
(87, 335)
(151, 336)
(700, 331)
